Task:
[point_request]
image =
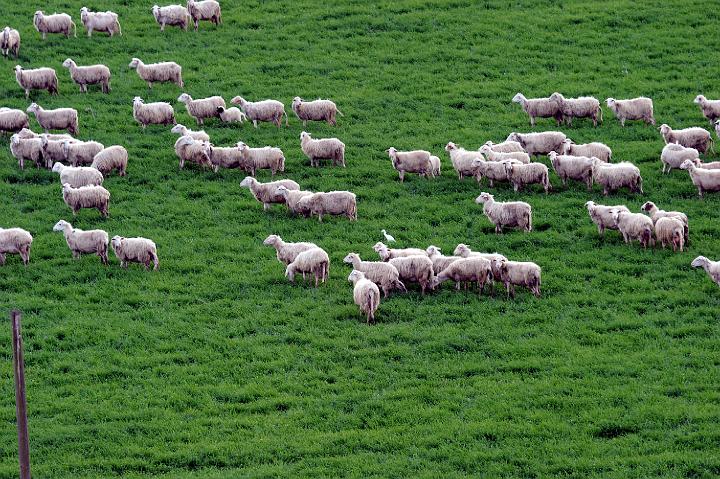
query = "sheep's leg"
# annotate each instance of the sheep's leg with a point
(402, 176)
(266, 206)
(622, 122)
(2, 259)
(255, 123)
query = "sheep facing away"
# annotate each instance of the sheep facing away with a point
(10, 41)
(613, 176)
(317, 110)
(415, 269)
(417, 161)
(673, 155)
(365, 294)
(78, 176)
(267, 193)
(265, 110)
(79, 241)
(385, 275)
(89, 75)
(56, 23)
(539, 108)
(135, 250)
(512, 214)
(57, 119)
(287, 252)
(634, 226)
(463, 251)
(710, 108)
(37, 79)
(86, 197)
(694, 137)
(315, 261)
(519, 273)
(106, 22)
(12, 120)
(266, 158)
(670, 231)
(158, 72)
(172, 15)
(703, 179)
(157, 113)
(182, 130)
(322, 149)
(202, 108)
(113, 157)
(583, 107)
(204, 10)
(435, 166)
(333, 203)
(228, 157)
(640, 108)
(712, 268)
(15, 241)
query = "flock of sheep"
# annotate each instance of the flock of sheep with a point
(82, 166)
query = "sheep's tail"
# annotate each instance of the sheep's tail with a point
(600, 111)
(117, 22)
(529, 221)
(339, 112)
(74, 28)
(286, 118)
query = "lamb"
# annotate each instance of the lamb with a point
(695, 137)
(79, 241)
(462, 160)
(596, 149)
(381, 273)
(267, 193)
(492, 170)
(539, 108)
(537, 144)
(287, 252)
(466, 270)
(262, 158)
(55, 23)
(135, 250)
(572, 167)
(111, 158)
(315, 261)
(81, 152)
(603, 216)
(89, 75)
(521, 175)
(12, 120)
(634, 226)
(582, 107)
(333, 203)
(193, 151)
(317, 110)
(365, 294)
(15, 241)
(202, 108)
(37, 79)
(670, 231)
(439, 261)
(265, 110)
(86, 197)
(710, 108)
(158, 72)
(613, 176)
(157, 113)
(100, 22)
(58, 119)
(673, 155)
(640, 108)
(292, 200)
(712, 268)
(493, 155)
(703, 179)
(77, 177)
(204, 10)
(386, 254)
(505, 146)
(231, 115)
(435, 166)
(322, 149)
(414, 269)
(519, 273)
(182, 130)
(513, 214)
(26, 149)
(173, 15)
(417, 161)
(10, 41)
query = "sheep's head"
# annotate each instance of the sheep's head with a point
(589, 205)
(33, 108)
(391, 151)
(247, 182)
(514, 137)
(37, 18)
(62, 225)
(238, 100)
(518, 98)
(241, 146)
(648, 206)
(58, 167)
(66, 187)
(462, 250)
(483, 198)
(184, 98)
(137, 101)
(179, 128)
(68, 63)
(116, 241)
(664, 129)
(271, 240)
(281, 190)
(687, 165)
(351, 257)
(304, 135)
(615, 216)
(432, 250)
(699, 99)
(552, 155)
(220, 109)
(135, 61)
(296, 102)
(450, 146)
(379, 246)
(699, 262)
(15, 139)
(18, 69)
(508, 167)
(485, 149)
(610, 103)
(557, 97)
(356, 276)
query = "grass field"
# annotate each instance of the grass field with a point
(216, 367)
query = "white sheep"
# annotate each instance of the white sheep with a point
(53, 150)
(78, 176)
(287, 252)
(315, 261)
(711, 165)
(511, 214)
(640, 108)
(100, 22)
(386, 254)
(596, 149)
(569, 167)
(521, 175)
(462, 160)
(539, 108)
(365, 294)
(79, 241)
(26, 149)
(634, 226)
(603, 216)
(317, 110)
(656, 213)
(673, 155)
(158, 72)
(712, 268)
(381, 273)
(265, 110)
(113, 157)
(203, 107)
(519, 273)
(492, 170)
(173, 15)
(670, 231)
(435, 166)
(135, 250)
(322, 149)
(505, 146)
(55, 23)
(204, 10)
(157, 113)
(417, 161)
(231, 115)
(26, 133)
(493, 155)
(266, 158)
(182, 130)
(582, 107)
(333, 203)
(292, 200)
(12, 120)
(10, 41)
(37, 79)
(86, 197)
(613, 176)
(703, 179)
(15, 241)
(694, 137)
(267, 193)
(58, 119)
(464, 251)
(81, 152)
(710, 108)
(536, 144)
(89, 75)
(193, 151)
(465, 270)
(439, 261)
(415, 269)
(228, 157)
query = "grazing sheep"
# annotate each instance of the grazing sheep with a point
(78, 176)
(365, 294)
(582, 107)
(435, 166)
(157, 113)
(603, 216)
(466, 270)
(135, 250)
(173, 15)
(492, 170)
(417, 161)
(656, 213)
(53, 150)
(267, 193)
(386, 254)
(15, 241)
(512, 214)
(694, 137)
(315, 261)
(231, 115)
(287, 252)
(640, 108)
(414, 269)
(704, 180)
(26, 149)
(537, 144)
(596, 149)
(670, 231)
(10, 41)
(86, 197)
(37, 79)
(519, 273)
(569, 167)
(613, 176)
(322, 149)
(111, 158)
(712, 165)
(292, 200)
(193, 151)
(710, 108)
(58, 119)
(381, 273)
(89, 75)
(265, 110)
(100, 22)
(182, 130)
(462, 160)
(202, 108)
(317, 110)
(266, 158)
(505, 146)
(12, 120)
(634, 226)
(55, 23)
(539, 108)
(204, 10)
(464, 251)
(712, 268)
(439, 261)
(521, 175)
(79, 241)
(493, 155)
(158, 72)
(81, 152)
(673, 155)
(227, 157)
(333, 203)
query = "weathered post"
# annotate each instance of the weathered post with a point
(20, 399)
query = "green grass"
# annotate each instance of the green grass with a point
(216, 367)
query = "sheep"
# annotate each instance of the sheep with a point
(670, 231)
(322, 149)
(603, 216)
(613, 176)
(640, 108)
(386, 254)
(173, 15)
(712, 268)
(79, 241)
(10, 41)
(505, 146)
(435, 166)
(439, 261)
(100, 22)
(417, 161)
(193, 151)
(157, 113)
(572, 167)
(512, 214)
(381, 273)
(37, 79)
(537, 144)
(464, 251)
(465, 270)
(78, 176)
(462, 160)
(58, 119)
(492, 170)
(182, 130)
(673, 155)
(634, 226)
(81, 152)
(596, 149)
(202, 108)
(86, 197)
(519, 273)
(26, 149)
(539, 108)
(704, 180)
(26, 134)
(204, 10)
(712, 165)
(262, 158)
(292, 200)
(135, 250)
(158, 72)
(717, 128)
(287, 252)
(12, 120)
(414, 269)
(521, 175)
(55, 23)
(15, 241)
(230, 157)
(582, 107)
(317, 110)
(333, 203)
(365, 294)
(710, 108)
(89, 75)
(267, 193)
(493, 155)
(694, 137)
(315, 261)
(111, 158)
(231, 115)
(53, 150)
(265, 110)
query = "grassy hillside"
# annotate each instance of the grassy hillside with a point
(216, 367)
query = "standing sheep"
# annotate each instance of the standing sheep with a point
(537, 144)
(135, 250)
(414, 269)
(58, 119)
(569, 167)
(79, 241)
(315, 261)
(55, 23)
(265, 110)
(287, 252)
(227, 157)
(435, 166)
(86, 197)
(521, 175)
(173, 15)
(100, 22)
(381, 273)
(158, 72)
(596, 149)
(333, 203)
(266, 158)
(512, 214)
(519, 273)
(267, 193)
(386, 254)
(292, 200)
(317, 110)
(81, 152)
(466, 270)
(462, 160)
(492, 170)
(712, 268)
(202, 108)
(231, 115)
(193, 151)
(710, 108)
(15, 241)
(694, 137)
(365, 294)
(417, 161)
(583, 107)
(12, 120)
(439, 261)
(703, 179)
(10, 41)
(464, 251)
(505, 146)
(111, 158)
(603, 216)
(204, 10)
(634, 226)
(493, 155)
(640, 108)
(26, 149)
(539, 108)
(78, 176)
(89, 75)
(37, 79)
(673, 155)
(670, 231)
(53, 150)
(158, 113)
(322, 149)
(182, 130)
(613, 176)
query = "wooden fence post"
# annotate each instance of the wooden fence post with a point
(20, 399)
